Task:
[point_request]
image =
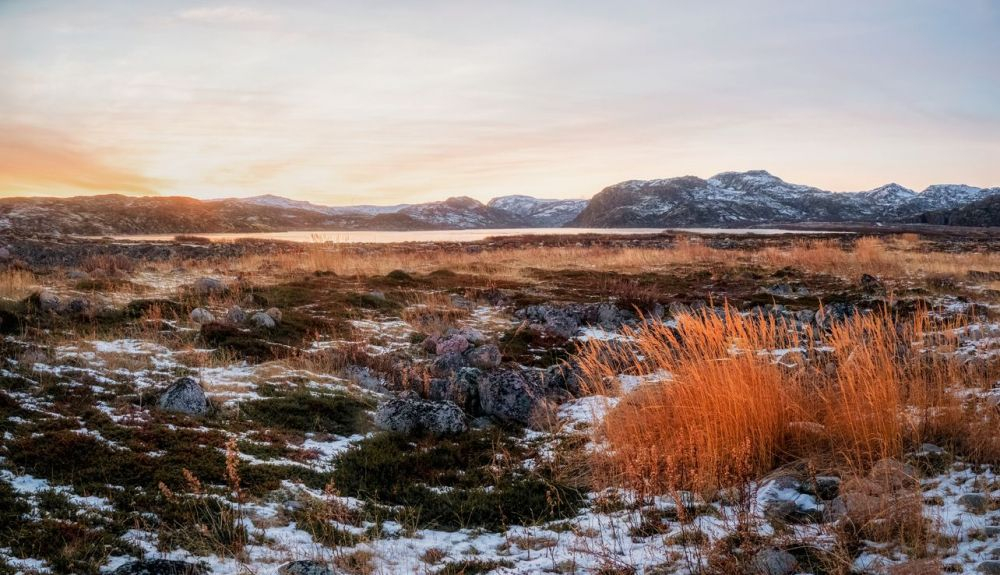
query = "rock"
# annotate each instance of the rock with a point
(773, 561)
(472, 335)
(376, 294)
(159, 567)
(827, 487)
(275, 314)
(452, 344)
(184, 396)
(550, 320)
(236, 315)
(201, 315)
(447, 364)
(307, 567)
(77, 275)
(509, 396)
(461, 389)
(409, 415)
(262, 320)
(430, 344)
(48, 301)
(783, 501)
(872, 285)
(484, 356)
(930, 458)
(79, 305)
(989, 567)
(976, 503)
(4, 253)
(894, 474)
(208, 286)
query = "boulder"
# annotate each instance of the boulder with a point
(989, 567)
(930, 458)
(79, 305)
(975, 503)
(48, 301)
(509, 396)
(4, 253)
(894, 474)
(447, 364)
(201, 315)
(275, 314)
(784, 500)
(307, 567)
(236, 315)
(262, 320)
(430, 344)
(773, 561)
(451, 344)
(411, 415)
(159, 567)
(208, 286)
(484, 357)
(872, 285)
(472, 335)
(184, 396)
(461, 388)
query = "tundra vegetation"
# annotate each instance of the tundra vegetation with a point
(671, 403)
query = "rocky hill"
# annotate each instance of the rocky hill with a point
(733, 199)
(981, 213)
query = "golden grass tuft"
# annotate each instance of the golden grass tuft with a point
(16, 283)
(732, 409)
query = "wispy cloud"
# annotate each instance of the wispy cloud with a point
(228, 14)
(38, 161)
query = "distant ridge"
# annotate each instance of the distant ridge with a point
(728, 199)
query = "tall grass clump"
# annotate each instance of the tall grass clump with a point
(724, 397)
(16, 283)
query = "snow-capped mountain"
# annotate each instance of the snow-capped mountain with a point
(274, 201)
(536, 212)
(733, 199)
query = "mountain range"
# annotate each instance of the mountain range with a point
(728, 199)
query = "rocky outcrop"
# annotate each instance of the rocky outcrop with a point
(413, 415)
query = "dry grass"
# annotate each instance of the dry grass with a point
(16, 283)
(732, 410)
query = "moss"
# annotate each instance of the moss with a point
(338, 413)
(202, 525)
(452, 483)
(528, 347)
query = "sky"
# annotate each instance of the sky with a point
(384, 101)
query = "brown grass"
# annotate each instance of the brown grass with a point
(16, 283)
(731, 410)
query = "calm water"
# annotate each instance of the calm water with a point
(448, 235)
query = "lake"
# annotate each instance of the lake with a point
(377, 237)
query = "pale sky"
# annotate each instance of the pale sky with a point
(384, 101)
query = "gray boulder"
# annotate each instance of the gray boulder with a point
(307, 567)
(262, 320)
(184, 396)
(159, 567)
(451, 344)
(989, 567)
(410, 415)
(274, 313)
(975, 503)
(447, 364)
(48, 301)
(208, 286)
(510, 396)
(201, 315)
(462, 388)
(236, 315)
(484, 357)
(773, 561)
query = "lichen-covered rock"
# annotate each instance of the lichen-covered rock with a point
(201, 315)
(262, 320)
(484, 357)
(184, 396)
(894, 474)
(509, 396)
(447, 364)
(159, 567)
(236, 315)
(411, 415)
(462, 388)
(975, 503)
(307, 567)
(451, 344)
(48, 301)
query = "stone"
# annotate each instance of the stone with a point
(894, 474)
(262, 320)
(430, 344)
(447, 364)
(4, 253)
(976, 503)
(773, 561)
(184, 396)
(79, 305)
(509, 396)
(201, 315)
(930, 458)
(452, 344)
(77, 275)
(827, 487)
(275, 314)
(783, 501)
(989, 567)
(872, 285)
(307, 567)
(461, 388)
(48, 301)
(208, 286)
(484, 357)
(236, 315)
(472, 335)
(159, 567)
(413, 415)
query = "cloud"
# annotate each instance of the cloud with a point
(38, 161)
(229, 14)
